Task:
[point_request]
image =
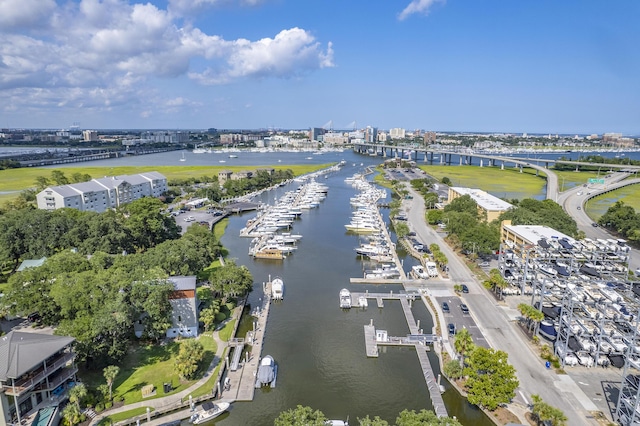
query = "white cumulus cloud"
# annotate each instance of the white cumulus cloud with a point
(21, 14)
(102, 53)
(417, 6)
(290, 53)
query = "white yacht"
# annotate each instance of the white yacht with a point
(277, 289)
(208, 411)
(345, 299)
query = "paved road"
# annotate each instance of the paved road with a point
(574, 205)
(495, 322)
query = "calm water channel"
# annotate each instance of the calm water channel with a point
(320, 348)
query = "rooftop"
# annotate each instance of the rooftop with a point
(483, 198)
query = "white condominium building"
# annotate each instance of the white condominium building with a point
(99, 195)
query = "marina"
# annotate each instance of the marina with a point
(374, 338)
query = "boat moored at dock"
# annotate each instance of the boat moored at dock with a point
(208, 411)
(345, 299)
(267, 372)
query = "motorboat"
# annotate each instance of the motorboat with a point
(362, 302)
(267, 372)
(337, 422)
(277, 289)
(345, 299)
(208, 411)
(419, 272)
(233, 156)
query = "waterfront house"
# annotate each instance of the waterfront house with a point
(184, 301)
(36, 370)
(224, 175)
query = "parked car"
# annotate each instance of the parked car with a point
(484, 264)
(452, 329)
(465, 289)
(445, 307)
(595, 225)
(464, 308)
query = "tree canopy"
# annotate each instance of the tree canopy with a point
(491, 380)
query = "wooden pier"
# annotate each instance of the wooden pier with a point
(416, 339)
(244, 378)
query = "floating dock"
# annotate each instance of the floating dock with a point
(374, 338)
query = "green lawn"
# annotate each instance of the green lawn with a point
(150, 364)
(225, 333)
(118, 417)
(507, 183)
(219, 228)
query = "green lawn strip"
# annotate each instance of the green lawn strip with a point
(598, 206)
(225, 333)
(150, 364)
(219, 228)
(210, 384)
(124, 415)
(507, 183)
(381, 180)
(19, 179)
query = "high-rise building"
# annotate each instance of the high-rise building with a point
(90, 135)
(429, 138)
(397, 133)
(371, 134)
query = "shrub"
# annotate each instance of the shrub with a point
(452, 369)
(99, 407)
(108, 405)
(221, 316)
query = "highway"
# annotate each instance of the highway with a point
(573, 202)
(496, 322)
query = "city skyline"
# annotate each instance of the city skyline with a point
(456, 65)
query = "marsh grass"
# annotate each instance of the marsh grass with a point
(23, 178)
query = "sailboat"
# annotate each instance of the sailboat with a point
(183, 158)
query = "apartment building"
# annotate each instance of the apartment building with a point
(36, 371)
(487, 204)
(102, 194)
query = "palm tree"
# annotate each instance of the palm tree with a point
(110, 374)
(76, 394)
(463, 344)
(71, 414)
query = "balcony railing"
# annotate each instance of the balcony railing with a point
(26, 382)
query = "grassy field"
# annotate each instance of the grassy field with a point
(209, 385)
(507, 183)
(598, 206)
(19, 179)
(151, 364)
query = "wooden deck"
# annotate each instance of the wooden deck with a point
(416, 339)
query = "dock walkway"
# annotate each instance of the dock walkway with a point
(243, 379)
(415, 339)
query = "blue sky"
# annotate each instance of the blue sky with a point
(570, 66)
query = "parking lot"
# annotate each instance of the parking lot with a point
(197, 217)
(460, 320)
